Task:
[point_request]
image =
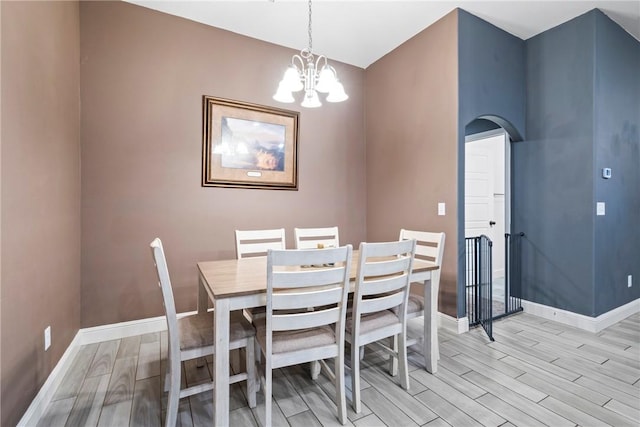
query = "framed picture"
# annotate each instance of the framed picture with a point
(248, 145)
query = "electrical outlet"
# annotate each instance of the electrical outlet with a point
(629, 281)
(441, 208)
(47, 338)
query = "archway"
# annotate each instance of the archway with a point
(486, 203)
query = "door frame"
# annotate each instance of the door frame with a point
(507, 168)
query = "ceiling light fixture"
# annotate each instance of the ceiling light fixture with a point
(309, 77)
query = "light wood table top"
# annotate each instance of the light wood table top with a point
(248, 276)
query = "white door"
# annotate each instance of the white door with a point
(485, 183)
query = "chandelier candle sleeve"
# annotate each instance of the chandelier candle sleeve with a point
(305, 73)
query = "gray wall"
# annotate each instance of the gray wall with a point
(582, 115)
(491, 77)
(553, 169)
(617, 119)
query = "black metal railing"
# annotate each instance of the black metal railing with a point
(513, 273)
(479, 282)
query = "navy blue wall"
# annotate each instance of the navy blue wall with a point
(617, 120)
(552, 188)
(479, 126)
(583, 113)
(491, 78)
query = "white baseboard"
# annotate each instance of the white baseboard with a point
(87, 336)
(35, 411)
(116, 331)
(591, 324)
(459, 326)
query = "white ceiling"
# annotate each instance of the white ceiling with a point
(360, 32)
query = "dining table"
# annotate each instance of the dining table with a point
(238, 284)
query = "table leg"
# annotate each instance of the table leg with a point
(221, 363)
(430, 328)
(203, 297)
(203, 305)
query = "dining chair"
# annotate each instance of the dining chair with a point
(379, 306)
(290, 334)
(251, 243)
(191, 337)
(312, 238)
(256, 243)
(429, 247)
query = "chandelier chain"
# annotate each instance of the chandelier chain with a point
(310, 39)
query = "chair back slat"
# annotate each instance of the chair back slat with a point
(258, 249)
(429, 246)
(384, 302)
(302, 278)
(384, 267)
(310, 238)
(304, 320)
(310, 298)
(307, 257)
(382, 285)
(430, 253)
(257, 242)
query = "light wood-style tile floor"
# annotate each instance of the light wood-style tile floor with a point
(536, 373)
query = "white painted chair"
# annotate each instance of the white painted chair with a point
(256, 243)
(379, 306)
(312, 238)
(429, 247)
(290, 334)
(250, 243)
(191, 337)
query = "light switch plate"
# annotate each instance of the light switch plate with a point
(441, 208)
(47, 338)
(600, 208)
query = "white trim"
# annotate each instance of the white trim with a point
(485, 134)
(86, 336)
(116, 331)
(35, 411)
(591, 324)
(120, 330)
(459, 326)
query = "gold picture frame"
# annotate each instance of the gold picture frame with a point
(248, 145)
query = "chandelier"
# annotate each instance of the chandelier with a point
(305, 73)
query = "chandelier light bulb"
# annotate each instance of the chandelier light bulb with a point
(337, 93)
(311, 99)
(326, 79)
(283, 94)
(292, 79)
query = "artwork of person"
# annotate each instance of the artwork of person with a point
(251, 145)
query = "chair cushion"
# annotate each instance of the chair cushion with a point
(372, 321)
(415, 304)
(300, 339)
(197, 330)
